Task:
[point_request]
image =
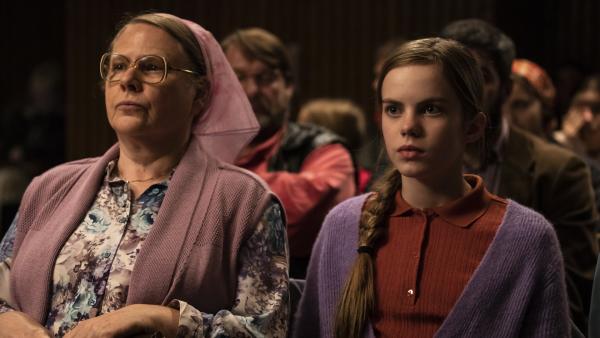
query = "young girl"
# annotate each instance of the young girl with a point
(431, 252)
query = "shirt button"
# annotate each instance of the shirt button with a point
(411, 292)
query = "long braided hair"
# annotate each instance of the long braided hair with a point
(357, 303)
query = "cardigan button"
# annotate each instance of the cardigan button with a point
(411, 292)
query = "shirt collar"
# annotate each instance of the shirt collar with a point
(113, 177)
(461, 212)
(112, 174)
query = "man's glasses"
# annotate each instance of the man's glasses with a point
(151, 69)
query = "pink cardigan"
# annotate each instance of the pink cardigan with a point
(209, 211)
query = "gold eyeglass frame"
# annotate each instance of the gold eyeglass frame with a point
(134, 65)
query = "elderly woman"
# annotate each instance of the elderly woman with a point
(160, 234)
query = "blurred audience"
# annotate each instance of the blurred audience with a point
(33, 131)
(567, 78)
(308, 167)
(344, 118)
(529, 105)
(32, 137)
(545, 177)
(581, 126)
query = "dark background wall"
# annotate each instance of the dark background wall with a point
(333, 42)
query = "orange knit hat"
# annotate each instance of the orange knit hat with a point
(537, 77)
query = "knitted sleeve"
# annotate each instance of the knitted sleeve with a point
(547, 314)
(333, 255)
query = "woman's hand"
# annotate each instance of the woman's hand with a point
(19, 324)
(132, 320)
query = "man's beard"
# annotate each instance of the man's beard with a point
(270, 117)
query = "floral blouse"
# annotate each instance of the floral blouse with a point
(92, 271)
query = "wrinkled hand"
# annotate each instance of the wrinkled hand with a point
(133, 320)
(15, 324)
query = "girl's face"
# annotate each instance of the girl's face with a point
(422, 122)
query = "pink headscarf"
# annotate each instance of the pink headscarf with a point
(227, 123)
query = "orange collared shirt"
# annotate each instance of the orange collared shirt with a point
(428, 259)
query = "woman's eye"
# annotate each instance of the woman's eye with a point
(149, 67)
(118, 66)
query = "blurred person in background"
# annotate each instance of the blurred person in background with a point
(530, 103)
(344, 118)
(530, 107)
(32, 137)
(518, 165)
(307, 167)
(581, 125)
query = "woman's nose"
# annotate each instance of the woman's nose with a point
(130, 80)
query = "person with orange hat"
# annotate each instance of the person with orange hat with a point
(530, 103)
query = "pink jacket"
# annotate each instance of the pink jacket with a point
(209, 211)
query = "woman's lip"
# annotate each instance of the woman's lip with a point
(128, 105)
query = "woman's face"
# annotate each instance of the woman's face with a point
(160, 112)
(422, 122)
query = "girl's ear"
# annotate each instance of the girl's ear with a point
(475, 128)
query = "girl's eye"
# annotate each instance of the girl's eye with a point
(431, 109)
(391, 110)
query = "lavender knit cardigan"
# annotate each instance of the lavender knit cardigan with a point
(518, 290)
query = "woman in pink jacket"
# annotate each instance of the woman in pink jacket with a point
(161, 233)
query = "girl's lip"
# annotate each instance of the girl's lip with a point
(410, 152)
(410, 148)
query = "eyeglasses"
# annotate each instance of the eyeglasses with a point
(151, 69)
